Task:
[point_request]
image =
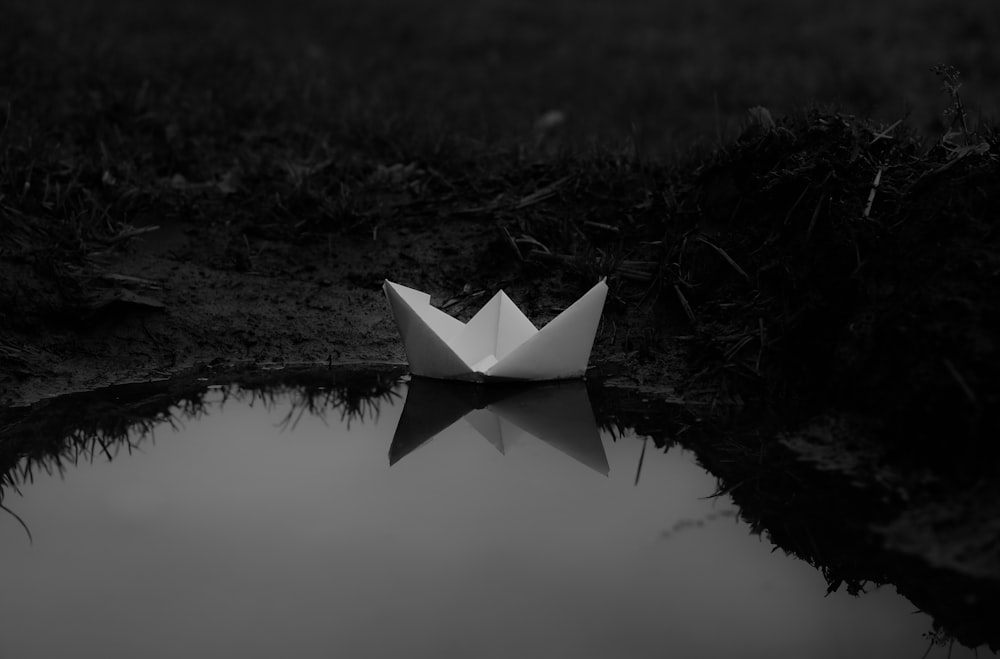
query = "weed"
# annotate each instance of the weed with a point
(954, 114)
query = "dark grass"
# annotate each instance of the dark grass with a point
(280, 116)
(281, 113)
(880, 308)
(749, 242)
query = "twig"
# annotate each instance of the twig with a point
(960, 155)
(128, 280)
(885, 133)
(540, 194)
(487, 208)
(602, 226)
(812, 220)
(632, 270)
(685, 305)
(802, 194)
(532, 241)
(246, 245)
(633, 275)
(724, 255)
(871, 194)
(966, 389)
(732, 352)
(511, 242)
(131, 232)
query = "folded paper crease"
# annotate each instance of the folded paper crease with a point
(499, 342)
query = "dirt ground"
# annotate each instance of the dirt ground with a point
(181, 296)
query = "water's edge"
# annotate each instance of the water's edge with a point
(803, 510)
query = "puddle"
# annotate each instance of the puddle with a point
(420, 520)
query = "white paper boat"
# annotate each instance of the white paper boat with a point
(557, 413)
(499, 342)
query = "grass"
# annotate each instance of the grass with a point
(148, 97)
(867, 259)
(806, 259)
(117, 111)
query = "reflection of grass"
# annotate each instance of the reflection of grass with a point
(357, 400)
(800, 510)
(57, 433)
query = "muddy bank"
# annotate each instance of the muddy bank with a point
(180, 295)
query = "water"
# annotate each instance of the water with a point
(257, 530)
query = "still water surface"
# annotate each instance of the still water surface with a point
(235, 535)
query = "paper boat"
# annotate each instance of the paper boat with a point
(557, 413)
(499, 342)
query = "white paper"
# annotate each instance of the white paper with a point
(499, 342)
(557, 413)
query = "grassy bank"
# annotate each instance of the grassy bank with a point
(831, 269)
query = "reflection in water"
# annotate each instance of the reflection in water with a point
(556, 413)
(258, 526)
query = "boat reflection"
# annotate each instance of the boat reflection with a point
(557, 413)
